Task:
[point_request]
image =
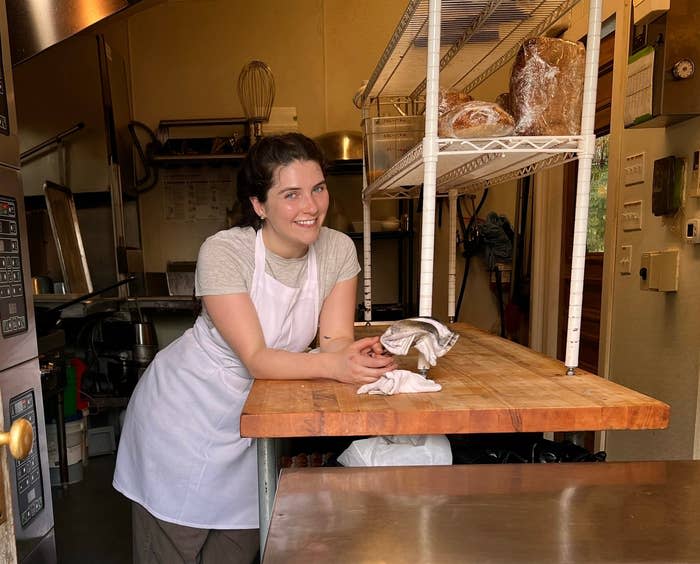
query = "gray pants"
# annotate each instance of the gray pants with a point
(160, 542)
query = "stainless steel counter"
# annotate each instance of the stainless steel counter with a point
(543, 513)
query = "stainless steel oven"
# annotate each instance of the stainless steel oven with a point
(20, 378)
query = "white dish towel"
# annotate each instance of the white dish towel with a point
(431, 338)
(400, 382)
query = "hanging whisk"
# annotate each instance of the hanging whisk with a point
(256, 90)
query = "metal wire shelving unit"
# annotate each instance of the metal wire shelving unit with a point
(458, 44)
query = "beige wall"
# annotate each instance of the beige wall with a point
(655, 335)
(186, 57)
(185, 62)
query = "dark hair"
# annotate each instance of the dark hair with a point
(256, 175)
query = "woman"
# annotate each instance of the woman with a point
(267, 285)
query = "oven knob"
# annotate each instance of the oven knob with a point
(19, 438)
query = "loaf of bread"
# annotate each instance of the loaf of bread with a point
(503, 100)
(476, 119)
(546, 87)
(449, 100)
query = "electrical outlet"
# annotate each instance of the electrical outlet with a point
(625, 260)
(632, 216)
(635, 166)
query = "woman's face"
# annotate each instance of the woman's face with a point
(296, 206)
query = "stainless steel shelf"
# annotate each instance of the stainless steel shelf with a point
(477, 38)
(230, 158)
(473, 164)
(163, 303)
(104, 305)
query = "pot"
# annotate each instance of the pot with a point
(46, 319)
(340, 145)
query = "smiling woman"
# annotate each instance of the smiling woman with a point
(295, 209)
(267, 285)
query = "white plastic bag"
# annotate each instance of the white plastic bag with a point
(399, 450)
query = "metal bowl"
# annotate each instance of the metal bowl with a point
(340, 145)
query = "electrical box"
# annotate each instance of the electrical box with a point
(693, 188)
(675, 84)
(668, 185)
(644, 271)
(659, 270)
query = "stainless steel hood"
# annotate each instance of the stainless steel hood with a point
(36, 25)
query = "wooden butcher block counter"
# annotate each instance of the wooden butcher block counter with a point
(489, 385)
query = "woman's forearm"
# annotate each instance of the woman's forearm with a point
(336, 344)
(274, 364)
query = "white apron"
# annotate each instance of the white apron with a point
(181, 455)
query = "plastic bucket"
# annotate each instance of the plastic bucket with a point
(75, 439)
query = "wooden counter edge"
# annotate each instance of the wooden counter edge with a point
(652, 414)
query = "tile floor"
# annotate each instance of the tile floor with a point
(92, 520)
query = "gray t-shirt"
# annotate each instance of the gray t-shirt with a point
(227, 259)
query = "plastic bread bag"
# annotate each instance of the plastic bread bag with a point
(398, 450)
(546, 87)
(476, 119)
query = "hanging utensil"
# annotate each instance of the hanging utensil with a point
(256, 90)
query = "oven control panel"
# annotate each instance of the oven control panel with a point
(30, 491)
(13, 307)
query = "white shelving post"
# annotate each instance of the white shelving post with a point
(583, 185)
(430, 158)
(367, 259)
(452, 267)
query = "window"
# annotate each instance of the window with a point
(597, 203)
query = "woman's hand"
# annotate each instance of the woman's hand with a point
(362, 362)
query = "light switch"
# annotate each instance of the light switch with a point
(634, 168)
(632, 216)
(625, 260)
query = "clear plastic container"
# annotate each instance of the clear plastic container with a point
(387, 139)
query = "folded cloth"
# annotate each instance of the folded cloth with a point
(430, 337)
(400, 382)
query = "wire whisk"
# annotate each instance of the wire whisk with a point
(256, 90)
